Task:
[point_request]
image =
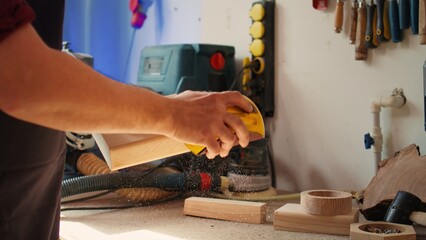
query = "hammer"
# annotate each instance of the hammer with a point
(406, 208)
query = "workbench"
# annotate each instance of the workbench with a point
(166, 221)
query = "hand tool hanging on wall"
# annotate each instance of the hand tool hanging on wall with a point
(404, 14)
(320, 4)
(370, 29)
(414, 16)
(394, 21)
(354, 18)
(338, 19)
(422, 21)
(382, 25)
(360, 48)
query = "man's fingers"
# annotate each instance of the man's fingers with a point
(227, 146)
(213, 149)
(240, 129)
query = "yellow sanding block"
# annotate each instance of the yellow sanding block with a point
(292, 217)
(253, 121)
(224, 209)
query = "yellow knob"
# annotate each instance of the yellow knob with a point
(257, 12)
(246, 78)
(246, 62)
(257, 47)
(257, 29)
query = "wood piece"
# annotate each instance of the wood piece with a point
(231, 210)
(362, 231)
(422, 21)
(326, 202)
(126, 150)
(292, 217)
(402, 172)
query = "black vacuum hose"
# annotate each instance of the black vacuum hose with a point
(116, 180)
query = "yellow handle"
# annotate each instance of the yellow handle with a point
(253, 121)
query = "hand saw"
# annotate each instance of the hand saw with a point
(126, 150)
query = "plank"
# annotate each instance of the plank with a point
(224, 209)
(292, 217)
(126, 150)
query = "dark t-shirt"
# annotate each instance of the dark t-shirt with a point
(31, 156)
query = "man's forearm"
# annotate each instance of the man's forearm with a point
(57, 91)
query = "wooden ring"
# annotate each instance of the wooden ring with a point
(326, 202)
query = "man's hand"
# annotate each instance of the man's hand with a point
(201, 118)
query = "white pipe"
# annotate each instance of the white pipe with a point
(396, 100)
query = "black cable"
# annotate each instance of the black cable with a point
(231, 88)
(126, 67)
(255, 64)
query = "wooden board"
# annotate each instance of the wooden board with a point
(231, 210)
(292, 217)
(126, 150)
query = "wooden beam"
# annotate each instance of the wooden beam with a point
(292, 217)
(230, 210)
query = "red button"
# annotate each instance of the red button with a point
(217, 61)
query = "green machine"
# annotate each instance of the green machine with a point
(169, 69)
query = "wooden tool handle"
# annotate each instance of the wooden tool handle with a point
(422, 21)
(418, 217)
(370, 30)
(382, 25)
(360, 48)
(394, 21)
(354, 17)
(404, 14)
(338, 20)
(414, 16)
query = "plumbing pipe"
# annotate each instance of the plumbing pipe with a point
(396, 100)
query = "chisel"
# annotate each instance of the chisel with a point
(414, 16)
(382, 27)
(422, 21)
(394, 21)
(354, 17)
(360, 48)
(404, 14)
(370, 29)
(338, 18)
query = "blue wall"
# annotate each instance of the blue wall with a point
(102, 29)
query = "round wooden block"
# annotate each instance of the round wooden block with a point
(326, 202)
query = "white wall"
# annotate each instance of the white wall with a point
(168, 22)
(323, 94)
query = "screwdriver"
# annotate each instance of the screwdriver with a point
(394, 21)
(370, 30)
(382, 29)
(404, 14)
(338, 20)
(422, 21)
(360, 48)
(414, 16)
(354, 18)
